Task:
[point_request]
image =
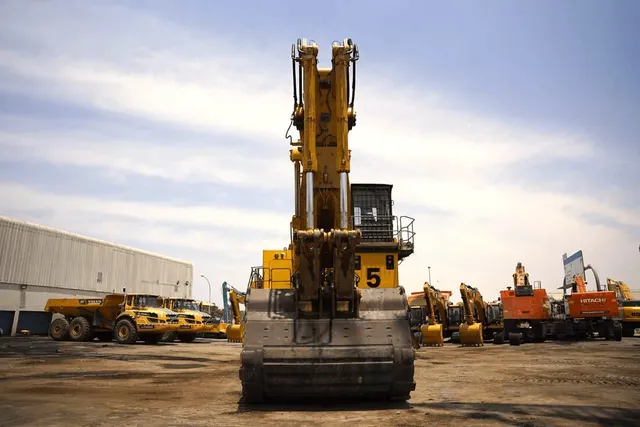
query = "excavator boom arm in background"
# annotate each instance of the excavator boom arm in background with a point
(235, 332)
(622, 290)
(433, 332)
(471, 330)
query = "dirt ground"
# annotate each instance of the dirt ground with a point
(46, 383)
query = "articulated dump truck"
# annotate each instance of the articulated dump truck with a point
(191, 321)
(127, 318)
(326, 318)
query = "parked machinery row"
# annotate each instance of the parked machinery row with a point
(129, 318)
(470, 322)
(531, 315)
(527, 313)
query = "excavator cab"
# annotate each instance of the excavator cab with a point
(494, 313)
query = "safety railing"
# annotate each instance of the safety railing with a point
(261, 274)
(386, 229)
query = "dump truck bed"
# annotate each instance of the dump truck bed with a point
(73, 307)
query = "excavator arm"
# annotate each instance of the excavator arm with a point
(432, 332)
(324, 242)
(236, 298)
(474, 316)
(623, 292)
(235, 332)
(324, 330)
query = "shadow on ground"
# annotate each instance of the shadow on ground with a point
(509, 414)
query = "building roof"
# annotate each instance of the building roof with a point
(46, 229)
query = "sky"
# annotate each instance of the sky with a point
(509, 130)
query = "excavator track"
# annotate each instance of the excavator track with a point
(285, 357)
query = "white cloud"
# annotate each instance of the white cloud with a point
(16, 196)
(436, 155)
(160, 157)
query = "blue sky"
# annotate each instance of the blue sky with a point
(509, 129)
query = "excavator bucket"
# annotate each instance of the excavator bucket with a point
(235, 333)
(432, 335)
(471, 335)
(288, 357)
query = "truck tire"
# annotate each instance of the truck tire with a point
(126, 332)
(59, 329)
(498, 338)
(617, 333)
(151, 338)
(79, 329)
(187, 337)
(628, 331)
(515, 338)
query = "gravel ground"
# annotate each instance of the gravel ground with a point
(47, 383)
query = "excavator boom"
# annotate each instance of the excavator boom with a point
(313, 327)
(471, 331)
(432, 332)
(235, 332)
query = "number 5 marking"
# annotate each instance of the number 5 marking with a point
(373, 279)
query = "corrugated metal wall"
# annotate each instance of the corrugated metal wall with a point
(31, 254)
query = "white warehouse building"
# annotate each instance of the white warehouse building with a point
(38, 263)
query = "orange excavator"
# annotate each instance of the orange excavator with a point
(583, 312)
(526, 309)
(530, 315)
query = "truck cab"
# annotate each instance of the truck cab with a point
(192, 321)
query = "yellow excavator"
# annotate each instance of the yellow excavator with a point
(433, 332)
(235, 331)
(471, 330)
(629, 307)
(326, 318)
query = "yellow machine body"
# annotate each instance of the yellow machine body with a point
(326, 317)
(436, 303)
(629, 307)
(471, 330)
(125, 317)
(235, 331)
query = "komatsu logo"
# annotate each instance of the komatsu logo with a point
(593, 300)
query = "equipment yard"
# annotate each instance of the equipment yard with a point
(48, 383)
